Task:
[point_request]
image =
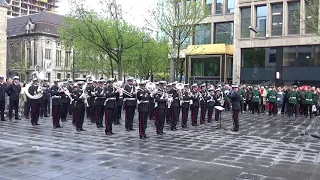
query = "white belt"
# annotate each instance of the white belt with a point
(309, 99)
(210, 100)
(144, 101)
(176, 98)
(111, 98)
(292, 97)
(131, 99)
(185, 101)
(55, 97)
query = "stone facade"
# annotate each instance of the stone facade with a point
(3, 39)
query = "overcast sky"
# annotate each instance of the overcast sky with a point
(135, 11)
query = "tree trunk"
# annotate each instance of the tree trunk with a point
(119, 69)
(172, 70)
(181, 71)
(111, 65)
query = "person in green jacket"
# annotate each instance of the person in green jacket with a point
(293, 100)
(256, 96)
(272, 99)
(309, 101)
(241, 93)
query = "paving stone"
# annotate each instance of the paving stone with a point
(265, 148)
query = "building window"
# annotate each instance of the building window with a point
(258, 57)
(224, 33)
(202, 34)
(58, 75)
(84, 76)
(68, 76)
(312, 16)
(293, 18)
(209, 6)
(209, 66)
(29, 57)
(276, 20)
(47, 54)
(301, 56)
(67, 59)
(219, 6)
(35, 57)
(230, 6)
(245, 22)
(58, 58)
(261, 20)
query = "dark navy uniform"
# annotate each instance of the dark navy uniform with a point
(79, 109)
(203, 105)
(56, 106)
(235, 98)
(210, 104)
(65, 105)
(3, 88)
(217, 102)
(160, 113)
(195, 107)
(119, 108)
(13, 91)
(143, 108)
(175, 109)
(89, 109)
(45, 100)
(99, 100)
(35, 104)
(71, 103)
(185, 104)
(130, 104)
(111, 108)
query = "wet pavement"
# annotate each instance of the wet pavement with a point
(266, 147)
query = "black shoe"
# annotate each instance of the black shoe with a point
(82, 130)
(37, 124)
(132, 129)
(33, 124)
(46, 116)
(175, 128)
(127, 129)
(17, 118)
(163, 133)
(145, 136)
(159, 133)
(3, 120)
(172, 129)
(79, 130)
(112, 133)
(59, 127)
(234, 130)
(27, 117)
(142, 137)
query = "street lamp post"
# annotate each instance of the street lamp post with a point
(73, 64)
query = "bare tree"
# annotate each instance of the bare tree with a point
(176, 20)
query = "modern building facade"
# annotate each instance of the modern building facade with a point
(210, 50)
(26, 7)
(264, 41)
(33, 40)
(285, 49)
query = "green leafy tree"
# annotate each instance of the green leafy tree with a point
(176, 20)
(311, 18)
(105, 33)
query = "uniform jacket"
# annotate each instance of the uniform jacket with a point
(100, 96)
(217, 98)
(46, 92)
(195, 99)
(272, 96)
(110, 102)
(161, 102)
(256, 96)
(78, 102)
(235, 101)
(211, 101)
(3, 88)
(175, 96)
(143, 100)
(185, 99)
(56, 96)
(130, 101)
(13, 91)
(309, 98)
(293, 97)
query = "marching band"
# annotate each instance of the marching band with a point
(104, 100)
